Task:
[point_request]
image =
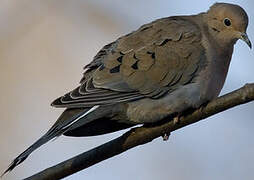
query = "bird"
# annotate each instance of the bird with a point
(161, 69)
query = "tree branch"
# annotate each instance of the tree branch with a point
(143, 135)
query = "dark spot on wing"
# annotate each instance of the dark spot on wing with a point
(153, 55)
(120, 59)
(115, 69)
(135, 65)
(134, 56)
(164, 42)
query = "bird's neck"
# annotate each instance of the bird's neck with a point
(218, 57)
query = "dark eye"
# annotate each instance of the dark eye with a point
(227, 22)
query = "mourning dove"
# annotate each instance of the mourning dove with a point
(163, 68)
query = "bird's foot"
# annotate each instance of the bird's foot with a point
(165, 136)
(176, 119)
(203, 106)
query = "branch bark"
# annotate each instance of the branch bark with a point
(142, 135)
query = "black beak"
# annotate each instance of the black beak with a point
(246, 39)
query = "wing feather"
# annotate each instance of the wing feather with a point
(150, 62)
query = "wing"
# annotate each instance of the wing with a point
(155, 60)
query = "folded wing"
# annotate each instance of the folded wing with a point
(155, 60)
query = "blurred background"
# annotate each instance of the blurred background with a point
(43, 46)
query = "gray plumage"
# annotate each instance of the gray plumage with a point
(163, 68)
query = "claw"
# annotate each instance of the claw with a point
(176, 119)
(165, 136)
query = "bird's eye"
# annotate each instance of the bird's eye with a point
(227, 22)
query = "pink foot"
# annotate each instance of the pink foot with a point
(165, 136)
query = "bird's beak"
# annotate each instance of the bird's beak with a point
(246, 39)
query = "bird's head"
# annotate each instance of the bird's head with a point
(228, 23)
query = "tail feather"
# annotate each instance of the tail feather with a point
(18, 160)
(65, 121)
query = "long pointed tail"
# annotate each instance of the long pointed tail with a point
(68, 118)
(27, 152)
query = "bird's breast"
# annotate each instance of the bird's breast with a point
(152, 110)
(213, 77)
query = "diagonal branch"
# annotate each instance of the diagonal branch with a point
(143, 135)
